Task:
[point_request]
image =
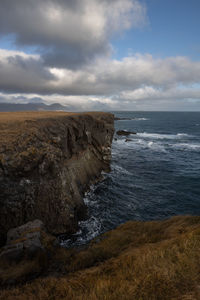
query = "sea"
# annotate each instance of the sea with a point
(154, 175)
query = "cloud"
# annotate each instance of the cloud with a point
(20, 72)
(143, 75)
(69, 33)
(137, 82)
(146, 98)
(150, 93)
(73, 64)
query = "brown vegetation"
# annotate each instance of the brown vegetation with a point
(13, 123)
(138, 260)
(8, 117)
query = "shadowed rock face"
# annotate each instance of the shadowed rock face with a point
(47, 163)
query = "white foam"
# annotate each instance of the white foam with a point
(156, 147)
(121, 142)
(140, 119)
(120, 169)
(139, 143)
(161, 136)
(133, 119)
(151, 142)
(185, 147)
(93, 227)
(182, 134)
(89, 194)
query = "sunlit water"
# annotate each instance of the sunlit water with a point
(154, 176)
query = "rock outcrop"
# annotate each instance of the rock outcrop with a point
(125, 133)
(47, 161)
(123, 119)
(27, 252)
(25, 241)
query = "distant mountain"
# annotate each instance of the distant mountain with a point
(9, 107)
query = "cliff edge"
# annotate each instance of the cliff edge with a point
(47, 161)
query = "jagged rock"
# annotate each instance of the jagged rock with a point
(128, 140)
(124, 132)
(123, 119)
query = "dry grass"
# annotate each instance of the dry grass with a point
(13, 124)
(10, 117)
(138, 260)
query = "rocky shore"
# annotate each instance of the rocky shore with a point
(47, 162)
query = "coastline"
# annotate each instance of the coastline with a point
(136, 260)
(47, 161)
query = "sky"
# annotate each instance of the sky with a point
(101, 54)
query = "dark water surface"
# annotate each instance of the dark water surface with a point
(154, 176)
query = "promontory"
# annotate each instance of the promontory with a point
(47, 162)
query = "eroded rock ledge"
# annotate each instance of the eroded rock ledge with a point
(47, 161)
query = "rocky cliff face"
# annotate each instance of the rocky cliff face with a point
(47, 162)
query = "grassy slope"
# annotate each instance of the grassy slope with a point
(138, 260)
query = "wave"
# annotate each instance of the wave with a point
(156, 147)
(162, 136)
(120, 169)
(133, 119)
(88, 230)
(148, 141)
(138, 144)
(187, 147)
(183, 134)
(140, 119)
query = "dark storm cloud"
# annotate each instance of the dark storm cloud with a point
(23, 74)
(68, 33)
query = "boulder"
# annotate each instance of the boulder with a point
(30, 227)
(25, 241)
(27, 253)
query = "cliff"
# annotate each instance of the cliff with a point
(47, 161)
